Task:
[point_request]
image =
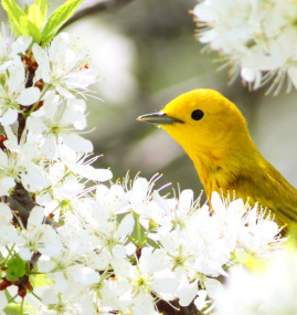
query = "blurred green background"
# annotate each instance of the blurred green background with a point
(146, 54)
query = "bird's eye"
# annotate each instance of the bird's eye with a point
(197, 114)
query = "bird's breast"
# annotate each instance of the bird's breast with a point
(217, 178)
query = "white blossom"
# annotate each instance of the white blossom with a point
(258, 38)
(17, 164)
(10, 47)
(38, 237)
(63, 66)
(55, 125)
(74, 242)
(15, 93)
(268, 289)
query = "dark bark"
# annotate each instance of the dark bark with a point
(99, 6)
(167, 309)
(21, 203)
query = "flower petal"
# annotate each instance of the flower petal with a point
(29, 96)
(9, 117)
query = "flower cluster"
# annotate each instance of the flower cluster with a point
(270, 289)
(258, 38)
(70, 244)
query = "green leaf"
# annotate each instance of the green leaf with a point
(16, 309)
(16, 268)
(13, 309)
(16, 15)
(138, 236)
(33, 31)
(19, 20)
(59, 17)
(40, 280)
(37, 13)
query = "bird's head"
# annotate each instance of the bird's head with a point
(201, 120)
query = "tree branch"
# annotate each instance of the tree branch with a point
(95, 7)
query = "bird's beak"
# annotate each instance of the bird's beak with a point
(159, 118)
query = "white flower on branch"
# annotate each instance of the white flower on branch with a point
(256, 38)
(72, 244)
(8, 234)
(55, 124)
(38, 237)
(269, 289)
(10, 48)
(64, 67)
(14, 93)
(17, 164)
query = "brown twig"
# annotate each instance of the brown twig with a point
(167, 309)
(98, 6)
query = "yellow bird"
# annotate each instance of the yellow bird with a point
(214, 133)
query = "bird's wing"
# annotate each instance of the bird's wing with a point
(268, 187)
